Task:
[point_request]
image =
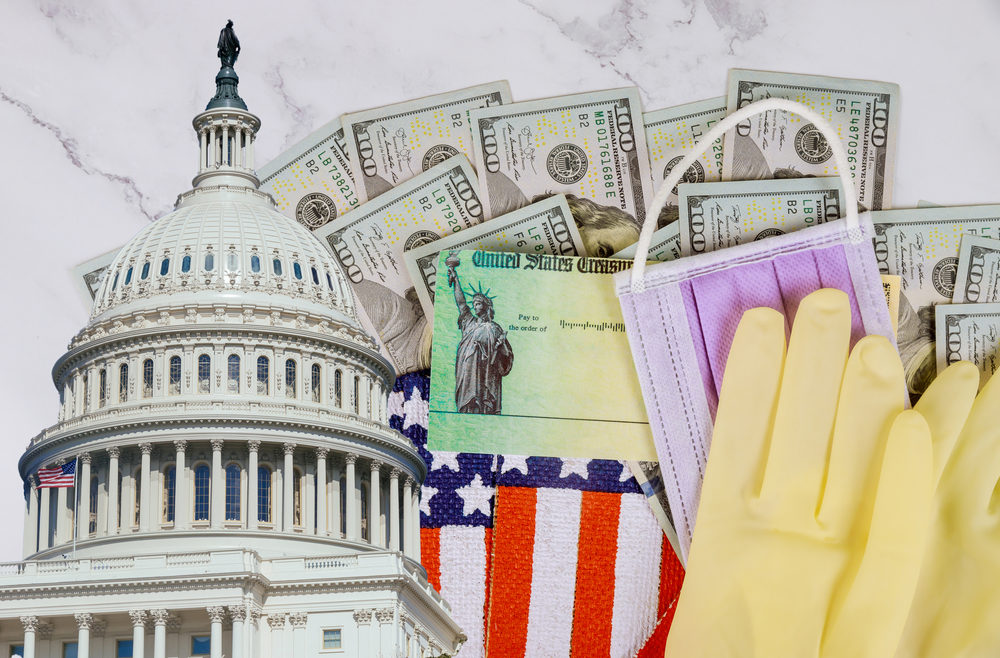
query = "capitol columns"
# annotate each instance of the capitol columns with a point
(83, 622)
(375, 506)
(146, 449)
(160, 618)
(216, 614)
(408, 518)
(83, 496)
(288, 490)
(298, 621)
(138, 632)
(416, 523)
(350, 506)
(181, 505)
(218, 485)
(44, 522)
(276, 620)
(238, 613)
(393, 528)
(31, 528)
(252, 473)
(112, 484)
(30, 623)
(322, 517)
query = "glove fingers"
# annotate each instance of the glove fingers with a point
(945, 406)
(807, 403)
(870, 621)
(746, 408)
(971, 475)
(871, 396)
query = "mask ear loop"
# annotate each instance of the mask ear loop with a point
(717, 131)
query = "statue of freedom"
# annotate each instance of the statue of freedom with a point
(484, 357)
(229, 45)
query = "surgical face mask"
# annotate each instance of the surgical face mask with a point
(681, 316)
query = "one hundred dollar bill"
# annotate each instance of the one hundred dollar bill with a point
(978, 278)
(590, 147)
(670, 134)
(891, 285)
(969, 332)
(718, 215)
(665, 245)
(921, 246)
(507, 328)
(650, 480)
(90, 274)
(311, 181)
(391, 144)
(545, 227)
(777, 144)
(369, 244)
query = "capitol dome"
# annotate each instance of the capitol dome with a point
(225, 244)
(223, 452)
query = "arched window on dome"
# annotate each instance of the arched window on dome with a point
(136, 496)
(232, 262)
(209, 261)
(169, 493)
(147, 378)
(290, 377)
(114, 283)
(86, 393)
(102, 388)
(263, 494)
(263, 376)
(357, 390)
(233, 475)
(233, 380)
(165, 267)
(174, 387)
(338, 388)
(364, 510)
(297, 514)
(314, 382)
(186, 263)
(128, 276)
(92, 521)
(204, 373)
(315, 276)
(276, 266)
(329, 281)
(255, 263)
(123, 382)
(145, 271)
(202, 487)
(297, 270)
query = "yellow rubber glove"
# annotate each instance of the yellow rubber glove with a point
(813, 514)
(956, 610)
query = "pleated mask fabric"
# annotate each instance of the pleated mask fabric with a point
(681, 316)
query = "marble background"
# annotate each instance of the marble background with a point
(96, 101)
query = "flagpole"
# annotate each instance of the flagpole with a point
(76, 505)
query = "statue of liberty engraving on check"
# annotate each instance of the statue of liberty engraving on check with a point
(484, 357)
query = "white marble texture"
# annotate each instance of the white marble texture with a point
(96, 100)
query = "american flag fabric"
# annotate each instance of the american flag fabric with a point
(60, 476)
(540, 556)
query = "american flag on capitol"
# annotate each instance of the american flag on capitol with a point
(540, 556)
(59, 476)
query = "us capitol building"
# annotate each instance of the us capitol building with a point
(241, 493)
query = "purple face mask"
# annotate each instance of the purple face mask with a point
(681, 316)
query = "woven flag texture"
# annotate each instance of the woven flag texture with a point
(540, 556)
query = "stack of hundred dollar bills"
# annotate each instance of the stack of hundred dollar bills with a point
(388, 189)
